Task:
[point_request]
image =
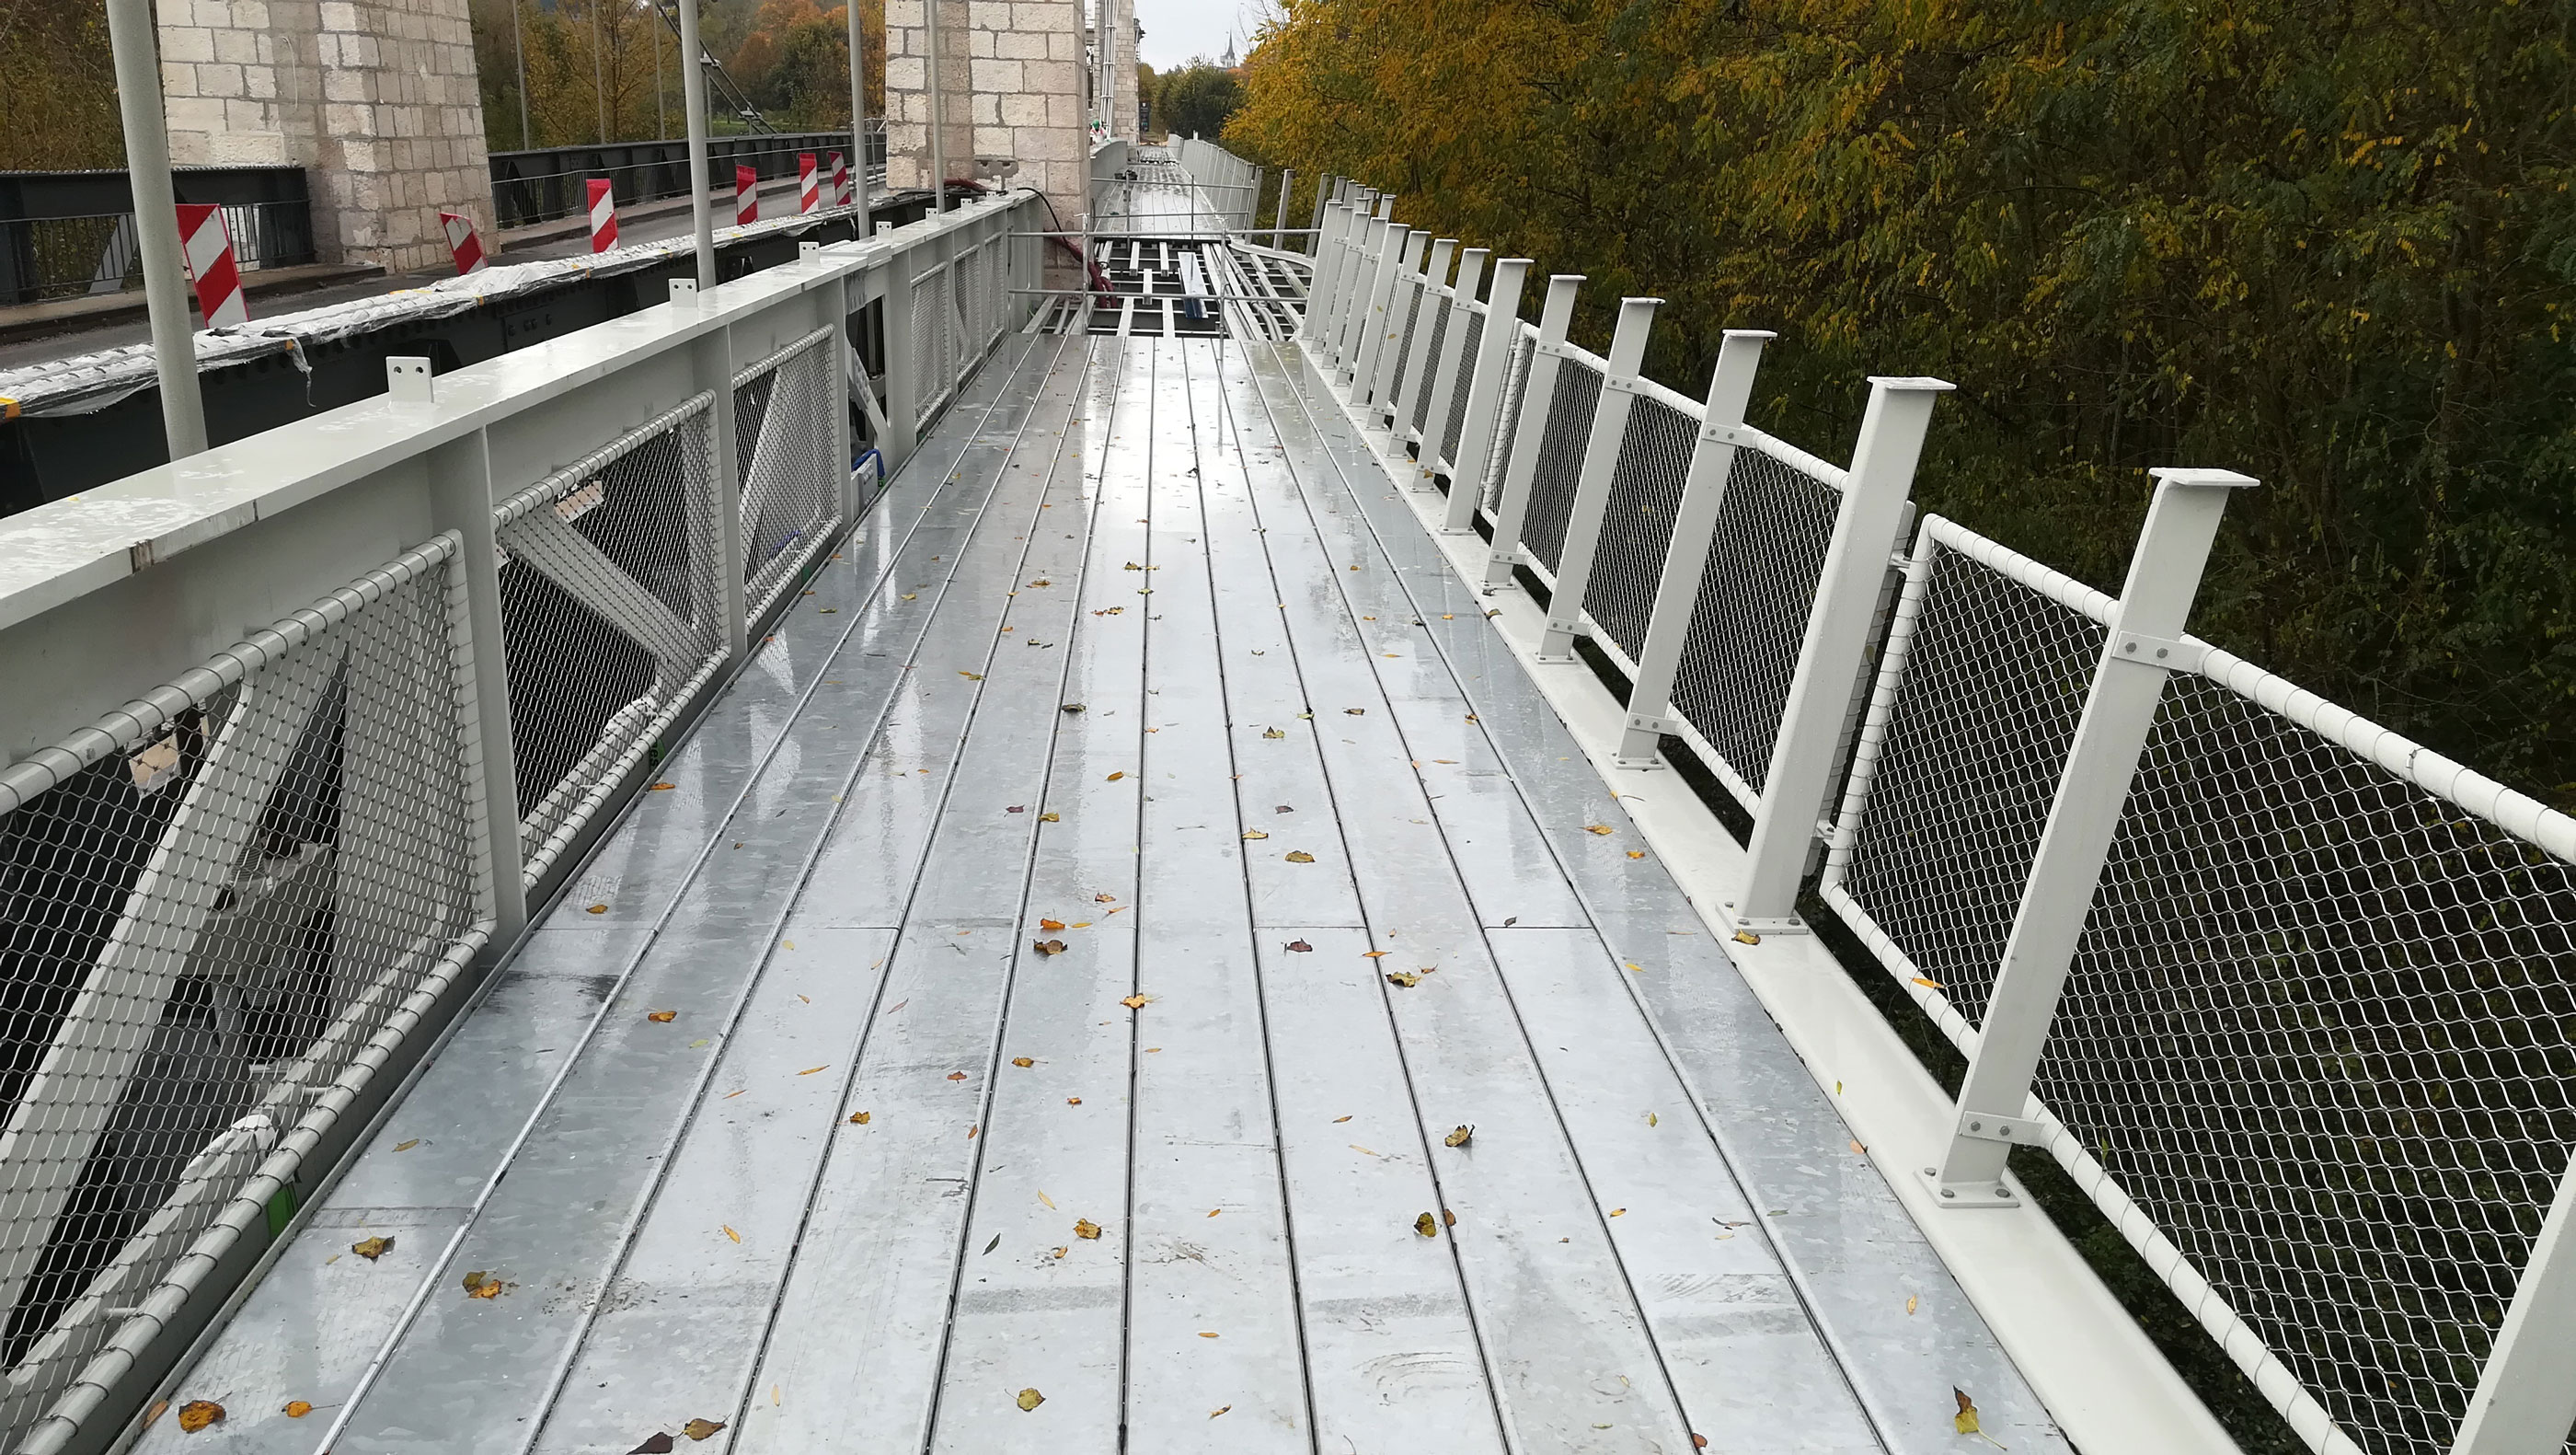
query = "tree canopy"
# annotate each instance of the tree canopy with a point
(2330, 245)
(1195, 100)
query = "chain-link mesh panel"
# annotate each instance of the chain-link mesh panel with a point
(1404, 346)
(786, 444)
(1507, 418)
(933, 340)
(1994, 676)
(1560, 460)
(1765, 558)
(1430, 379)
(1472, 333)
(2316, 1027)
(214, 909)
(612, 606)
(1637, 521)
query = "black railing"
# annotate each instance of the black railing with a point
(539, 186)
(66, 234)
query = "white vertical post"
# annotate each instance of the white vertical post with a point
(130, 38)
(1485, 385)
(858, 119)
(1650, 697)
(1555, 316)
(931, 20)
(460, 474)
(693, 99)
(2145, 645)
(1447, 372)
(1415, 359)
(1847, 594)
(2528, 1388)
(1350, 284)
(1386, 341)
(711, 359)
(1592, 485)
(1368, 315)
(1279, 216)
(1324, 285)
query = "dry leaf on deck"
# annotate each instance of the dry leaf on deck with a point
(810, 1070)
(1050, 817)
(596, 909)
(479, 1284)
(1747, 937)
(1273, 733)
(1372, 954)
(1300, 856)
(1356, 711)
(661, 1017)
(1023, 1061)
(1047, 947)
(1636, 853)
(1254, 834)
(657, 1443)
(1085, 1228)
(1448, 1219)
(1220, 1409)
(858, 1119)
(1029, 1398)
(1300, 947)
(1427, 1226)
(1136, 1002)
(372, 1249)
(1597, 828)
(196, 1414)
(1050, 924)
(730, 1233)
(1458, 1138)
(406, 1146)
(297, 1409)
(1114, 777)
(701, 1429)
(971, 676)
(1910, 1300)
(1927, 984)
(1966, 1419)
(1072, 707)
(1406, 978)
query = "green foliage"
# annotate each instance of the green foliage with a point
(1195, 100)
(57, 88)
(2329, 245)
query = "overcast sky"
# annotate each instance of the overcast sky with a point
(1176, 30)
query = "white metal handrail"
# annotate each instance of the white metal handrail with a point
(2156, 785)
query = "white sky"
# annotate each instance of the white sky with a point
(1176, 30)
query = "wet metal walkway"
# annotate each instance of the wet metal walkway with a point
(1132, 965)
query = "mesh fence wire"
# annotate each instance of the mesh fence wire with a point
(1507, 418)
(1637, 521)
(2317, 1027)
(786, 448)
(1472, 333)
(1560, 460)
(1430, 377)
(1994, 676)
(200, 933)
(1765, 558)
(1404, 344)
(612, 607)
(933, 346)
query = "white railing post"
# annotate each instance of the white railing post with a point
(1384, 342)
(1592, 484)
(1555, 316)
(1650, 698)
(1369, 322)
(904, 391)
(1279, 215)
(1448, 374)
(1358, 270)
(1484, 395)
(1433, 289)
(2145, 645)
(2525, 1401)
(1829, 659)
(460, 474)
(1325, 288)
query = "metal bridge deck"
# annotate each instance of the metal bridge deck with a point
(1058, 964)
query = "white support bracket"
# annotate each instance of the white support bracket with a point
(2173, 654)
(2083, 817)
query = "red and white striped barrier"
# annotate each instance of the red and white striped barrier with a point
(841, 181)
(208, 242)
(746, 196)
(603, 215)
(809, 184)
(461, 242)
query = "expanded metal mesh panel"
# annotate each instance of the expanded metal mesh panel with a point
(1404, 343)
(1455, 430)
(612, 604)
(1637, 521)
(786, 451)
(1994, 678)
(934, 348)
(217, 910)
(1507, 418)
(1430, 380)
(1560, 460)
(2317, 1028)
(1765, 558)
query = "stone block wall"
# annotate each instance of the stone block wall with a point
(1011, 82)
(377, 98)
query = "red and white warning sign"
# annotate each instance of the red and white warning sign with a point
(841, 181)
(603, 215)
(461, 241)
(809, 184)
(746, 196)
(208, 242)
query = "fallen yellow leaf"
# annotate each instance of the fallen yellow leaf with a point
(730, 1233)
(1427, 1226)
(972, 676)
(1042, 1197)
(1618, 1212)
(1114, 777)
(1136, 1002)
(1372, 954)
(406, 1146)
(1458, 1138)
(1050, 818)
(1050, 924)
(1909, 1304)
(596, 909)
(1597, 828)
(1254, 834)
(197, 1414)
(661, 1017)
(1220, 1409)
(1204, 1334)
(297, 1409)
(1024, 1061)
(701, 1429)
(1406, 978)
(858, 1118)
(1747, 937)
(371, 1249)
(1858, 1148)
(1047, 947)
(479, 1284)
(1300, 856)
(1085, 1228)
(1927, 984)
(1636, 853)
(1273, 733)
(664, 787)
(1966, 1419)
(1030, 1399)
